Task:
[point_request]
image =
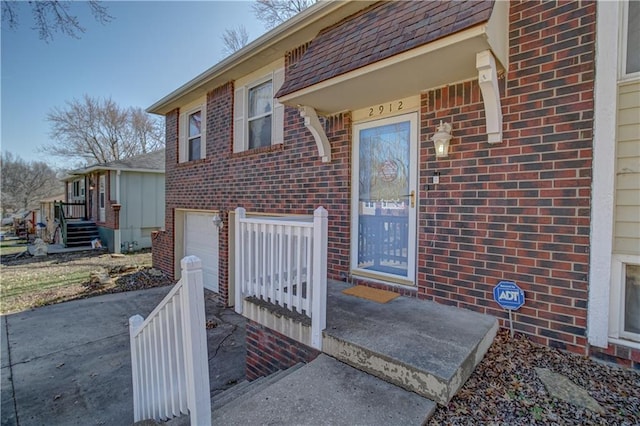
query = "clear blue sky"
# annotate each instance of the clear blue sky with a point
(148, 50)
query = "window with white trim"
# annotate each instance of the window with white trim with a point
(624, 307)
(630, 38)
(631, 319)
(625, 303)
(192, 142)
(258, 116)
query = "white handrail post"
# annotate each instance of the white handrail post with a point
(241, 213)
(135, 322)
(319, 287)
(195, 342)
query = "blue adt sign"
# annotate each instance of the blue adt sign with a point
(508, 295)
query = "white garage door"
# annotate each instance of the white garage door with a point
(201, 239)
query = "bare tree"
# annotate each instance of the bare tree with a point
(275, 12)
(234, 39)
(98, 130)
(24, 183)
(50, 17)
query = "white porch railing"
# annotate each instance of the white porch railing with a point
(169, 359)
(284, 261)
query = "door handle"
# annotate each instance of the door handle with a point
(412, 198)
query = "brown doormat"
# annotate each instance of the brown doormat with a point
(377, 295)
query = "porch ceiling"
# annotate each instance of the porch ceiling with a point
(444, 61)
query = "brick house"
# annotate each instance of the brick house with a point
(339, 107)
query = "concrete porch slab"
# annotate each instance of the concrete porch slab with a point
(421, 346)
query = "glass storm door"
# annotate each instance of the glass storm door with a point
(101, 197)
(384, 198)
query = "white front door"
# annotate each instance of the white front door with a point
(384, 198)
(101, 197)
(201, 239)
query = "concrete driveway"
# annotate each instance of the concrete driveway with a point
(70, 364)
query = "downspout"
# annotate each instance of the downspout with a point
(117, 237)
(118, 187)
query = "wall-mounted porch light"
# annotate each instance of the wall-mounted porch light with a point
(217, 221)
(441, 139)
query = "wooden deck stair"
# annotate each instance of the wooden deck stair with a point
(80, 233)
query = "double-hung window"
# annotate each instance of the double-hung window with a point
(192, 134)
(258, 116)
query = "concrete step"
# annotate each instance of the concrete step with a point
(246, 389)
(230, 394)
(326, 391)
(236, 395)
(421, 346)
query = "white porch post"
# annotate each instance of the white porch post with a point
(319, 286)
(240, 214)
(135, 322)
(117, 236)
(195, 342)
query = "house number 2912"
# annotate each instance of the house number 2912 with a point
(385, 108)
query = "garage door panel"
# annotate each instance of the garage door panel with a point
(201, 240)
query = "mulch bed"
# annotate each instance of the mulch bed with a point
(505, 390)
(127, 278)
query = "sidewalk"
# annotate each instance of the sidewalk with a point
(70, 364)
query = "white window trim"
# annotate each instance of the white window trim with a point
(241, 111)
(183, 142)
(617, 301)
(623, 36)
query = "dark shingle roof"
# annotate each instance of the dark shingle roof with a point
(383, 30)
(149, 161)
(152, 161)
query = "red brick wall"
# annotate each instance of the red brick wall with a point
(618, 354)
(162, 247)
(289, 178)
(518, 210)
(269, 351)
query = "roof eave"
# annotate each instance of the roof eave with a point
(81, 172)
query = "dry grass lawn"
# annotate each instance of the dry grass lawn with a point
(28, 282)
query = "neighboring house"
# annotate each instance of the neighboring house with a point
(338, 107)
(125, 199)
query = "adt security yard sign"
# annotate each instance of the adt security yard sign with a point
(508, 295)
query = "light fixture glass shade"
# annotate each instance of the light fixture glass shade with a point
(441, 139)
(217, 221)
